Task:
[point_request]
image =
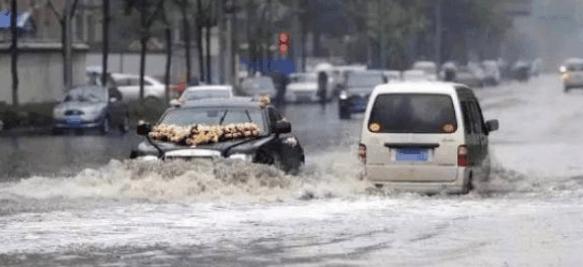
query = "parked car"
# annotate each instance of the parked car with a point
(303, 87)
(521, 71)
(258, 86)
(129, 86)
(415, 76)
(492, 74)
(430, 69)
(425, 137)
(392, 75)
(199, 92)
(572, 74)
(275, 145)
(359, 85)
(91, 107)
(466, 75)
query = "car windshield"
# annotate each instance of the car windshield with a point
(304, 78)
(575, 66)
(86, 94)
(213, 116)
(365, 79)
(414, 113)
(205, 94)
(261, 84)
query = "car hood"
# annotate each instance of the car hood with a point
(83, 106)
(299, 87)
(248, 145)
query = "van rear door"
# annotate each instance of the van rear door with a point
(413, 137)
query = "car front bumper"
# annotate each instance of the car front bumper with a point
(355, 104)
(82, 124)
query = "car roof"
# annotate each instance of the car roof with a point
(209, 87)
(418, 87)
(235, 102)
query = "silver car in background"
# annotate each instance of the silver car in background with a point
(91, 107)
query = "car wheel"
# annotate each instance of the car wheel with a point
(566, 89)
(344, 114)
(57, 131)
(124, 127)
(104, 129)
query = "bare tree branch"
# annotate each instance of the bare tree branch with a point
(55, 12)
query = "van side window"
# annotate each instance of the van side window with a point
(477, 121)
(467, 114)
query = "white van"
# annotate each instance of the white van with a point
(425, 137)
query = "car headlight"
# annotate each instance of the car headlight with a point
(148, 158)
(240, 156)
(57, 113)
(93, 112)
(343, 95)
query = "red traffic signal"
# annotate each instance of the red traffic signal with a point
(283, 43)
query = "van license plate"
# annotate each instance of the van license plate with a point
(412, 154)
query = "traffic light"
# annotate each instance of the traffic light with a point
(283, 43)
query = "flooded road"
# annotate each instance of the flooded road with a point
(74, 200)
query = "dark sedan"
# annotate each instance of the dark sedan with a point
(275, 145)
(359, 85)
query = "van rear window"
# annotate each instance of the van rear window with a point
(413, 113)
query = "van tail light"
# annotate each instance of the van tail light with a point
(463, 157)
(362, 153)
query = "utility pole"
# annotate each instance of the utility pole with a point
(382, 42)
(438, 31)
(105, 40)
(222, 40)
(68, 55)
(14, 51)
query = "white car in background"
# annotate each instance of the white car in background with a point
(303, 87)
(205, 92)
(415, 76)
(572, 74)
(129, 87)
(430, 69)
(393, 75)
(258, 86)
(492, 74)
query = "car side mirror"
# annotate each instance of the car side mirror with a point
(492, 125)
(282, 127)
(143, 128)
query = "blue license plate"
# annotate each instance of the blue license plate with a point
(412, 154)
(74, 120)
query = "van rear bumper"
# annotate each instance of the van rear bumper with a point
(429, 187)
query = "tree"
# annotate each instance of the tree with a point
(14, 51)
(150, 11)
(184, 6)
(65, 19)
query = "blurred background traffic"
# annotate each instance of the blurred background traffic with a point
(148, 52)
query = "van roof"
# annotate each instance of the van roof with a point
(418, 87)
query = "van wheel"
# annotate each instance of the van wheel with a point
(469, 186)
(344, 114)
